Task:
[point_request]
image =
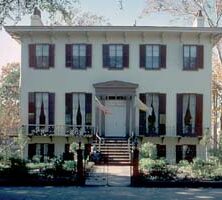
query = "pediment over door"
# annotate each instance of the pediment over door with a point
(115, 88)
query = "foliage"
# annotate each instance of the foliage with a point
(66, 12)
(157, 169)
(148, 150)
(73, 147)
(70, 165)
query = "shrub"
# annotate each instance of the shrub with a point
(70, 165)
(148, 150)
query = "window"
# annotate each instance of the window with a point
(189, 114)
(41, 56)
(78, 56)
(192, 57)
(43, 151)
(41, 113)
(185, 152)
(153, 121)
(78, 112)
(115, 56)
(152, 56)
(161, 151)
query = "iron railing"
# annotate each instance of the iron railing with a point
(58, 130)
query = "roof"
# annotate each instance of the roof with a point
(18, 31)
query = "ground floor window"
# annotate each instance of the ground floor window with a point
(42, 151)
(185, 152)
(161, 151)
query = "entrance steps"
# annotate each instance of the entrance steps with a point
(115, 151)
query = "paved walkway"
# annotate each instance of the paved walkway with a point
(107, 193)
(109, 175)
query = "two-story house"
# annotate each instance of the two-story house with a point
(78, 80)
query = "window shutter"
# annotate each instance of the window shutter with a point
(162, 114)
(142, 116)
(51, 55)
(126, 55)
(179, 114)
(163, 53)
(105, 55)
(32, 55)
(31, 151)
(51, 108)
(200, 56)
(142, 56)
(68, 117)
(69, 58)
(51, 150)
(179, 153)
(88, 106)
(199, 115)
(88, 55)
(31, 110)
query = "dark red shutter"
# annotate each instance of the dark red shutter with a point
(69, 58)
(51, 108)
(68, 118)
(142, 55)
(162, 113)
(200, 56)
(105, 55)
(163, 53)
(51, 150)
(142, 116)
(88, 55)
(51, 55)
(32, 55)
(199, 115)
(126, 55)
(179, 114)
(32, 111)
(31, 151)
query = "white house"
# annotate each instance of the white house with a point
(69, 74)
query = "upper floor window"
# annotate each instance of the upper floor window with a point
(78, 56)
(152, 56)
(41, 56)
(192, 57)
(115, 56)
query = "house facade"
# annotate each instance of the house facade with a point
(86, 80)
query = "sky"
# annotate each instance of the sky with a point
(132, 9)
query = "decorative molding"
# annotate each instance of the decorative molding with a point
(199, 37)
(181, 37)
(162, 37)
(30, 36)
(179, 139)
(87, 36)
(124, 36)
(68, 35)
(162, 139)
(106, 36)
(142, 36)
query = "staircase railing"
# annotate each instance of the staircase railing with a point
(130, 139)
(100, 139)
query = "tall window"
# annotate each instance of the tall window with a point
(192, 57)
(78, 56)
(115, 56)
(189, 114)
(41, 55)
(185, 152)
(152, 56)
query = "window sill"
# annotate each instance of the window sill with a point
(190, 69)
(113, 68)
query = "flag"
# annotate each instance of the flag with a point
(101, 107)
(142, 106)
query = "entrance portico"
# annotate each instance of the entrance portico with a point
(119, 98)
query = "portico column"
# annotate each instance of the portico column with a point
(128, 113)
(133, 115)
(102, 118)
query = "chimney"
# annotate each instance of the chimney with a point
(199, 20)
(36, 18)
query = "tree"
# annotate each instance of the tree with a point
(64, 11)
(9, 97)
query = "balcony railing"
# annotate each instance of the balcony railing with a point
(58, 130)
(171, 131)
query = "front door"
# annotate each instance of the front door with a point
(115, 123)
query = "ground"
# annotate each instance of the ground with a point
(100, 193)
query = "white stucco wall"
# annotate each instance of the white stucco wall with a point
(171, 80)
